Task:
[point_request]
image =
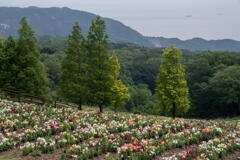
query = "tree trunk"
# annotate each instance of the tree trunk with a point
(80, 106)
(101, 108)
(174, 110)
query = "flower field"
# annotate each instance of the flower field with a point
(39, 132)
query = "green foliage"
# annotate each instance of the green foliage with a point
(119, 91)
(74, 69)
(52, 64)
(8, 68)
(20, 65)
(139, 65)
(101, 76)
(120, 94)
(142, 99)
(91, 75)
(52, 44)
(225, 85)
(200, 70)
(31, 76)
(172, 90)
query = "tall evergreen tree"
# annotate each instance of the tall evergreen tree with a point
(101, 72)
(119, 91)
(8, 68)
(74, 69)
(172, 90)
(31, 76)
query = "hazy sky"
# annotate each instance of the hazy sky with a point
(209, 19)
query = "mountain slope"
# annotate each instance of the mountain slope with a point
(59, 21)
(197, 44)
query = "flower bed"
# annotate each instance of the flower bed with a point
(36, 130)
(212, 149)
(144, 143)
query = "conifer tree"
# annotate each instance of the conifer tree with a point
(120, 94)
(8, 68)
(119, 91)
(172, 90)
(101, 72)
(31, 75)
(74, 69)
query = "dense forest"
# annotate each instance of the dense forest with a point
(213, 77)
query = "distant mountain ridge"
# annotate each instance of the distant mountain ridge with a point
(197, 44)
(58, 21)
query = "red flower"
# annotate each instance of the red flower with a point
(111, 139)
(14, 110)
(143, 148)
(127, 137)
(190, 152)
(71, 120)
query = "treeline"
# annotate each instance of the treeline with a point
(89, 74)
(20, 67)
(214, 82)
(140, 67)
(208, 99)
(212, 78)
